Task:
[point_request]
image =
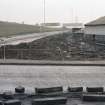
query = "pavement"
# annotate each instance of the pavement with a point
(48, 62)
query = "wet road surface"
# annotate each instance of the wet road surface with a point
(47, 76)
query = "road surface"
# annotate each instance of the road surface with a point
(47, 76)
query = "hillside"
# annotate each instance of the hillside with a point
(66, 46)
(58, 47)
(10, 28)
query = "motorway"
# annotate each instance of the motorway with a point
(14, 40)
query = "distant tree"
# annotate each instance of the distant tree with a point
(36, 24)
(22, 22)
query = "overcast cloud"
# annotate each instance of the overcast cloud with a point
(31, 11)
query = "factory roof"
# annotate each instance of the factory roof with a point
(97, 22)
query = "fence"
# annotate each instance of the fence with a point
(29, 54)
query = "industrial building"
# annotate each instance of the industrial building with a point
(96, 29)
(75, 27)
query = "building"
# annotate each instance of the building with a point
(75, 27)
(96, 29)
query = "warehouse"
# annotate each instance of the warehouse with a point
(75, 27)
(96, 29)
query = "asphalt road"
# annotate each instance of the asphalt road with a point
(32, 76)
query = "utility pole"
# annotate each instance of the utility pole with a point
(4, 52)
(44, 12)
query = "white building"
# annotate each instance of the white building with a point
(96, 27)
(75, 27)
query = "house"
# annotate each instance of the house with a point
(96, 29)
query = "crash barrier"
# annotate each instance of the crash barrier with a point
(93, 97)
(44, 96)
(95, 89)
(75, 89)
(48, 90)
(50, 101)
(19, 89)
(1, 103)
(7, 95)
(12, 102)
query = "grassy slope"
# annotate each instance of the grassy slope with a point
(9, 28)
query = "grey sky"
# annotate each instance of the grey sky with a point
(31, 11)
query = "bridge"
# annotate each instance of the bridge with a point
(15, 40)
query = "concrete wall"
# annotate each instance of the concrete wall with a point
(97, 30)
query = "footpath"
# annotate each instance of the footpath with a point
(52, 63)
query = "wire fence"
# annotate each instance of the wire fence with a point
(30, 54)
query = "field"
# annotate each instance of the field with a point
(59, 47)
